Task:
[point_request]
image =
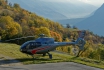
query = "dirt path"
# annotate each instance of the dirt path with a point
(8, 61)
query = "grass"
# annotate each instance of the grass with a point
(12, 50)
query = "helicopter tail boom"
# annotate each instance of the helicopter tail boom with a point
(80, 42)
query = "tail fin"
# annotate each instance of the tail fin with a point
(80, 41)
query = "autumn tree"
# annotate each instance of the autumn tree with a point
(56, 36)
(9, 27)
(41, 30)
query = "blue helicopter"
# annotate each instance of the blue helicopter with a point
(43, 45)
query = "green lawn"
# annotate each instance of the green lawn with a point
(12, 50)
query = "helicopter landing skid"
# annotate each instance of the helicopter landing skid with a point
(33, 56)
(44, 54)
(50, 55)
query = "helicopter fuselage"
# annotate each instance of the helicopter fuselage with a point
(41, 47)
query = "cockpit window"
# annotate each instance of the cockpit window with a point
(33, 45)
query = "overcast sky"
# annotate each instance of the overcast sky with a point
(93, 2)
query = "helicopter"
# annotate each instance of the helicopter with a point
(43, 45)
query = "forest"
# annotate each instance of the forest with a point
(16, 22)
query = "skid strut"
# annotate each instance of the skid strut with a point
(50, 55)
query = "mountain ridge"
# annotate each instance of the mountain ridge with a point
(94, 22)
(51, 10)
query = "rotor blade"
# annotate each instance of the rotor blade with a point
(17, 38)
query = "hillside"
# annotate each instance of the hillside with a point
(72, 22)
(56, 10)
(17, 22)
(95, 22)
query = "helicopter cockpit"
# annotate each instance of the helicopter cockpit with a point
(36, 43)
(29, 45)
(33, 45)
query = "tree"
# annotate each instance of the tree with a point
(9, 27)
(56, 36)
(42, 30)
(74, 27)
(68, 26)
(10, 4)
(16, 5)
(6, 1)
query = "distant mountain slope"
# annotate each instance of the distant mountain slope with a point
(95, 22)
(56, 10)
(72, 22)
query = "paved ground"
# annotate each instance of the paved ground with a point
(50, 66)
(7, 63)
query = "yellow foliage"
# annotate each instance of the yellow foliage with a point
(42, 30)
(11, 28)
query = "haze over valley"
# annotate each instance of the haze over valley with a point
(81, 13)
(56, 10)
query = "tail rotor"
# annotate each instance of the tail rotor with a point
(80, 41)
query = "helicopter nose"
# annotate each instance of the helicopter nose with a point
(25, 51)
(21, 50)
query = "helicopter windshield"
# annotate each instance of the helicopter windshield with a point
(33, 45)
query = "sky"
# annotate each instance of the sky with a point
(93, 2)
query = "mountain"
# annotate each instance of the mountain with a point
(95, 22)
(56, 10)
(72, 22)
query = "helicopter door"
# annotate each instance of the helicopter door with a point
(31, 45)
(37, 44)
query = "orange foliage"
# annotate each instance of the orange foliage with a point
(56, 36)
